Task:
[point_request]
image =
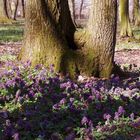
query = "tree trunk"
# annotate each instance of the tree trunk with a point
(49, 38)
(73, 12)
(3, 15)
(9, 8)
(100, 45)
(16, 8)
(81, 7)
(6, 8)
(23, 8)
(124, 17)
(49, 32)
(136, 12)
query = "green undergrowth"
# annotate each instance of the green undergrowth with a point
(11, 32)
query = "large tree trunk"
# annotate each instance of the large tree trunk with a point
(49, 38)
(3, 15)
(49, 32)
(103, 26)
(101, 38)
(136, 12)
(124, 17)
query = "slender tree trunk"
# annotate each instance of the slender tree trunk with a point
(81, 7)
(9, 10)
(23, 8)
(16, 8)
(124, 17)
(136, 12)
(73, 11)
(6, 8)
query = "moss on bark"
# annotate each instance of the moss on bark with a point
(51, 38)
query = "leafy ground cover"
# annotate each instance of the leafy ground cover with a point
(11, 32)
(38, 104)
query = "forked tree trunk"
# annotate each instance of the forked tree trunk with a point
(49, 38)
(136, 12)
(124, 19)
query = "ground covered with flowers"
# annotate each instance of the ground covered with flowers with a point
(37, 104)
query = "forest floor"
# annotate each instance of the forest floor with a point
(127, 53)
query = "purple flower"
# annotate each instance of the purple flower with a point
(91, 98)
(37, 67)
(84, 120)
(107, 117)
(136, 124)
(4, 114)
(63, 101)
(121, 110)
(90, 123)
(71, 100)
(117, 115)
(56, 106)
(18, 93)
(52, 68)
(16, 136)
(132, 116)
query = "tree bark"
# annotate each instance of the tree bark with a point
(101, 30)
(23, 8)
(49, 32)
(124, 17)
(9, 8)
(16, 8)
(73, 12)
(81, 7)
(51, 38)
(6, 8)
(3, 15)
(136, 12)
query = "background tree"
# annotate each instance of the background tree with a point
(81, 7)
(49, 38)
(3, 12)
(16, 8)
(6, 7)
(136, 12)
(23, 8)
(73, 11)
(124, 19)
